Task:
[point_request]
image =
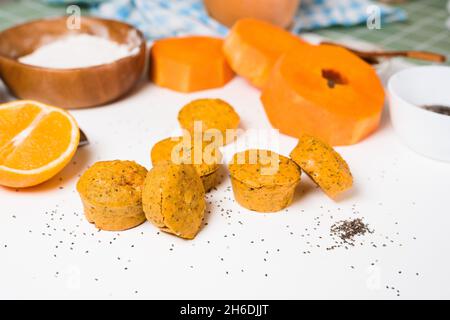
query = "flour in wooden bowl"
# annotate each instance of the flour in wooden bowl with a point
(77, 51)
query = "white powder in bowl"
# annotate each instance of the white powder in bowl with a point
(77, 51)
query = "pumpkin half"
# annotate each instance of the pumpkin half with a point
(324, 91)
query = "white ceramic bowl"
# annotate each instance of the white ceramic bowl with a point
(426, 132)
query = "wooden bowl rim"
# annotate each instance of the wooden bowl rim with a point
(142, 46)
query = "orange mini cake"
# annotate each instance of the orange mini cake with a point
(211, 114)
(323, 164)
(111, 192)
(208, 158)
(263, 181)
(174, 199)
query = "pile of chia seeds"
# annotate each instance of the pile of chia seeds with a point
(346, 232)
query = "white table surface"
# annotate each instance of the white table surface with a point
(48, 249)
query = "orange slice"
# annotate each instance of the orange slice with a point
(36, 142)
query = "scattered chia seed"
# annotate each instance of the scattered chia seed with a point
(344, 234)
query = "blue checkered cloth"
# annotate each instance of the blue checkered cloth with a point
(315, 14)
(162, 18)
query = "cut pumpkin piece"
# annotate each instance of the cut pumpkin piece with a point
(36, 142)
(253, 46)
(189, 64)
(324, 91)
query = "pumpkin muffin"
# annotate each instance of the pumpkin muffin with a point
(263, 181)
(174, 199)
(111, 192)
(213, 114)
(177, 150)
(323, 164)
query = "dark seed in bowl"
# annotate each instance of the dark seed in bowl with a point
(438, 109)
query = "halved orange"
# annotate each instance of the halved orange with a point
(36, 142)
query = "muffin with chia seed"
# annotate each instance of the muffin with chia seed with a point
(210, 114)
(174, 199)
(323, 165)
(205, 157)
(263, 181)
(111, 192)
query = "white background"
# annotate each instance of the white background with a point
(48, 249)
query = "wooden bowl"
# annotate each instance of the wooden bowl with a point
(70, 88)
